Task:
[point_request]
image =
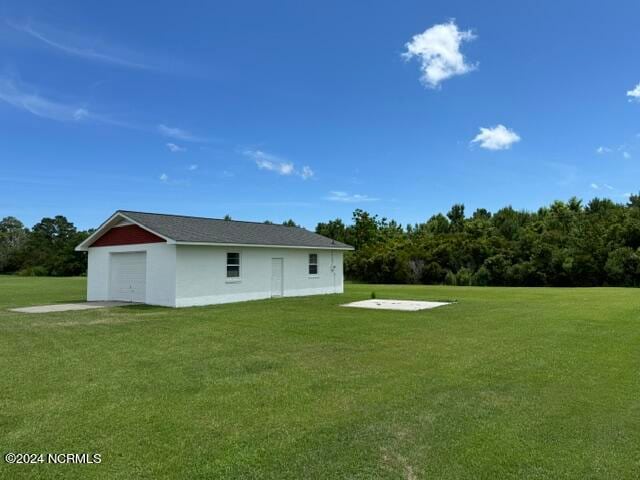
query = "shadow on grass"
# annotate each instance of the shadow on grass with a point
(142, 307)
(61, 302)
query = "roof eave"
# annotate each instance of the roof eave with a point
(257, 245)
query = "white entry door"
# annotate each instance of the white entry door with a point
(128, 277)
(277, 279)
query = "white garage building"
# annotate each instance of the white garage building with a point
(181, 261)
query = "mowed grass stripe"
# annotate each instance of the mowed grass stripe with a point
(506, 383)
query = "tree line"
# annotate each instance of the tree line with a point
(563, 244)
(47, 249)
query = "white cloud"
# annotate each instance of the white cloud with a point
(282, 168)
(175, 148)
(179, 134)
(164, 178)
(626, 155)
(595, 186)
(273, 163)
(77, 46)
(306, 172)
(193, 167)
(608, 187)
(602, 150)
(345, 197)
(438, 50)
(634, 94)
(496, 138)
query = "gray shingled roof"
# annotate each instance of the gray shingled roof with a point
(212, 230)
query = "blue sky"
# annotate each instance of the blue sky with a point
(308, 110)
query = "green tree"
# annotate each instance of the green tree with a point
(622, 267)
(51, 248)
(456, 218)
(13, 236)
(437, 225)
(334, 229)
(364, 229)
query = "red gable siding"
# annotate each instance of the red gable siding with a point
(127, 235)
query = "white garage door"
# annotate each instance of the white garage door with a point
(128, 277)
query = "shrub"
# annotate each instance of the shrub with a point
(432, 273)
(497, 266)
(37, 271)
(463, 277)
(414, 270)
(450, 278)
(481, 278)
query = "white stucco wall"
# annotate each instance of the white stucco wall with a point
(201, 274)
(184, 275)
(160, 278)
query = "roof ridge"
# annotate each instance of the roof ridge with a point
(212, 218)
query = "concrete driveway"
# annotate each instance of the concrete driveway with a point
(66, 307)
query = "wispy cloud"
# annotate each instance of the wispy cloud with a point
(168, 180)
(438, 50)
(282, 168)
(175, 148)
(25, 98)
(80, 46)
(179, 134)
(634, 94)
(602, 186)
(496, 138)
(306, 172)
(273, 163)
(337, 196)
(626, 150)
(565, 174)
(192, 167)
(267, 204)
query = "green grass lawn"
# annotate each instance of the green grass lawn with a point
(507, 383)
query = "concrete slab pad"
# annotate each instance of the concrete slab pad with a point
(401, 305)
(66, 307)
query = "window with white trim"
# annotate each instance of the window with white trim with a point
(313, 264)
(233, 265)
